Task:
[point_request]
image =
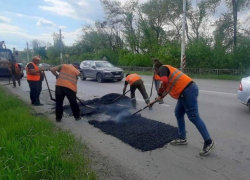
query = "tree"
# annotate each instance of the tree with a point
(39, 48)
(125, 15)
(235, 7)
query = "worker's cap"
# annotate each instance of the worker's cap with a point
(36, 58)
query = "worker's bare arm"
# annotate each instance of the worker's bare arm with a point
(54, 70)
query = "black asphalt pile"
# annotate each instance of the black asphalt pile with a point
(101, 105)
(108, 98)
(139, 132)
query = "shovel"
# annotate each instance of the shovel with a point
(117, 98)
(90, 107)
(142, 109)
(49, 88)
(148, 106)
(152, 86)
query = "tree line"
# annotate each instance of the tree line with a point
(132, 34)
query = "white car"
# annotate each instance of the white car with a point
(45, 66)
(244, 91)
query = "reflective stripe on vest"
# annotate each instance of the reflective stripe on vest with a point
(132, 78)
(177, 82)
(33, 77)
(68, 77)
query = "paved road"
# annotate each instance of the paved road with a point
(227, 120)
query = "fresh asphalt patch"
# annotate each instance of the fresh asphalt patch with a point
(137, 131)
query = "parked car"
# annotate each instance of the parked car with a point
(100, 70)
(244, 91)
(45, 66)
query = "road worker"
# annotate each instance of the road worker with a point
(157, 79)
(35, 77)
(135, 82)
(15, 70)
(181, 87)
(66, 85)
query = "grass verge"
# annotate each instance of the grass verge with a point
(33, 147)
(197, 76)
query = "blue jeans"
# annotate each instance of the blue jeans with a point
(157, 84)
(187, 103)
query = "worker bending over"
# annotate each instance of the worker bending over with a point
(135, 82)
(157, 79)
(181, 87)
(66, 85)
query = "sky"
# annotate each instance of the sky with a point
(26, 20)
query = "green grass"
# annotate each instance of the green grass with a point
(33, 147)
(197, 76)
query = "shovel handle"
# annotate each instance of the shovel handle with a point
(152, 86)
(48, 87)
(120, 96)
(142, 109)
(84, 104)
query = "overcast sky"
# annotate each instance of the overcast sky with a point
(23, 21)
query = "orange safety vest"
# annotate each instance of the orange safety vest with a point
(177, 81)
(17, 70)
(33, 77)
(132, 78)
(68, 77)
(157, 77)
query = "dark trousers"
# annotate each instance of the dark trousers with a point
(61, 92)
(14, 78)
(35, 91)
(140, 86)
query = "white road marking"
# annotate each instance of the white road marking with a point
(231, 94)
(165, 105)
(216, 92)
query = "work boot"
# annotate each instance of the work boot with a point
(78, 118)
(133, 101)
(58, 119)
(38, 104)
(161, 101)
(179, 141)
(207, 148)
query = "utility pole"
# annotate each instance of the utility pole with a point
(28, 59)
(183, 56)
(61, 57)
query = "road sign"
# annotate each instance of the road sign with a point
(67, 55)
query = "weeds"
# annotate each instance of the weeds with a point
(33, 148)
